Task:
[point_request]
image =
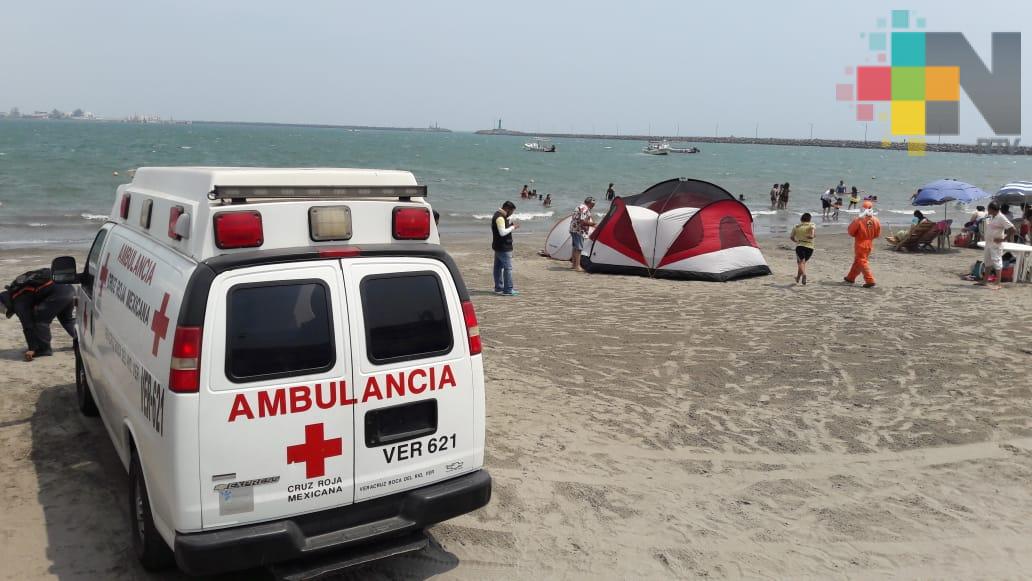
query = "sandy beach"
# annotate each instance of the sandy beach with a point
(642, 428)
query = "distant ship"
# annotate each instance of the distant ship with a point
(540, 145)
(657, 148)
(684, 150)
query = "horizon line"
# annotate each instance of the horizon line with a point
(435, 128)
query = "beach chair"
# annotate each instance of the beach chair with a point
(927, 242)
(1021, 230)
(918, 236)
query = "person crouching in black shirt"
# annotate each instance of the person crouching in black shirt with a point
(37, 301)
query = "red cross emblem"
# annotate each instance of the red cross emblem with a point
(103, 275)
(314, 451)
(159, 325)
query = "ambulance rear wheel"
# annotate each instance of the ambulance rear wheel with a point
(83, 397)
(148, 545)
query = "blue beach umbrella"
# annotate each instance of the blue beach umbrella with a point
(944, 191)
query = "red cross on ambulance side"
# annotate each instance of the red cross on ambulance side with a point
(159, 325)
(103, 275)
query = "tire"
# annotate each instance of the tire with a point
(83, 397)
(148, 545)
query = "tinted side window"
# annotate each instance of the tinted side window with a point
(406, 317)
(93, 260)
(278, 330)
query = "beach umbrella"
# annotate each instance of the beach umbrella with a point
(1014, 193)
(944, 191)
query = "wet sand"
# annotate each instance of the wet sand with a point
(643, 428)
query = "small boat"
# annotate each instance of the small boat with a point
(684, 150)
(540, 145)
(656, 148)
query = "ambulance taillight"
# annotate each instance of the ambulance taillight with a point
(472, 327)
(238, 230)
(411, 223)
(185, 373)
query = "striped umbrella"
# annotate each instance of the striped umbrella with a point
(1014, 193)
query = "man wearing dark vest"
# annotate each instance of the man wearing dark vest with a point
(37, 301)
(501, 243)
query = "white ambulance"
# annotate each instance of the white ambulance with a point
(287, 362)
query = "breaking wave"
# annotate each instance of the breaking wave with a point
(525, 216)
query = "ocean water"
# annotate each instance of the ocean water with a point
(57, 182)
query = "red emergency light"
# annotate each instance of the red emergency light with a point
(185, 373)
(342, 252)
(173, 215)
(411, 223)
(124, 210)
(472, 328)
(238, 230)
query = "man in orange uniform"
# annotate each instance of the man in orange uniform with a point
(864, 229)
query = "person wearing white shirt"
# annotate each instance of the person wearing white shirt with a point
(826, 201)
(974, 221)
(997, 229)
(979, 214)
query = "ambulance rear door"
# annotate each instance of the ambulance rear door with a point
(276, 409)
(415, 418)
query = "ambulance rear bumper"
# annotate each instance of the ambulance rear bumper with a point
(349, 527)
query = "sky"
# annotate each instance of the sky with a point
(647, 67)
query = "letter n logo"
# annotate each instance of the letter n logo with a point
(996, 93)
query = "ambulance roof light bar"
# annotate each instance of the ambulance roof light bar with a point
(316, 192)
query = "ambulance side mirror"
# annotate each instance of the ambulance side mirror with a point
(62, 269)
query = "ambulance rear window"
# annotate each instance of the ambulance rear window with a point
(405, 316)
(279, 329)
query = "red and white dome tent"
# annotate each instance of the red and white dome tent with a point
(681, 228)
